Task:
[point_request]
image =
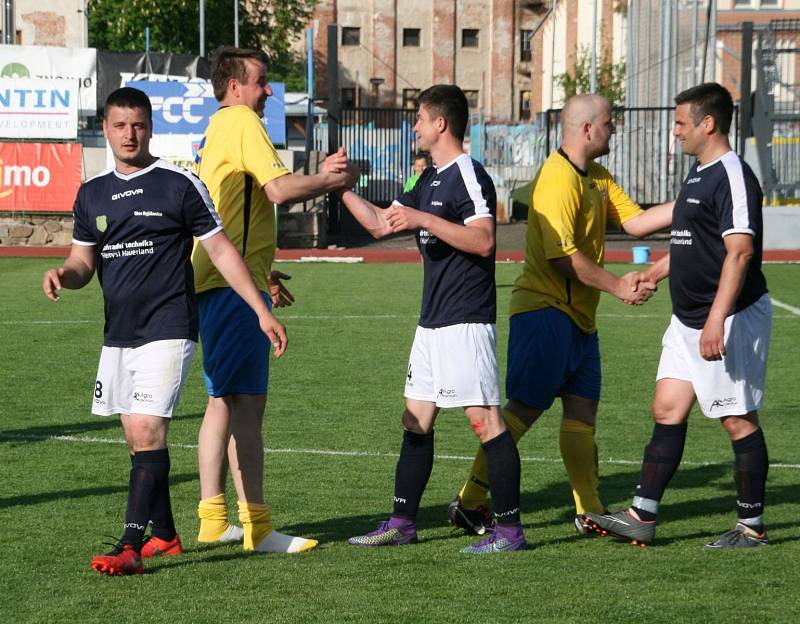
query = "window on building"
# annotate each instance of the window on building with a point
(525, 37)
(351, 36)
(348, 98)
(469, 38)
(524, 105)
(411, 37)
(411, 99)
(472, 99)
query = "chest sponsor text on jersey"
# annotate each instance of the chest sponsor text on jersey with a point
(680, 237)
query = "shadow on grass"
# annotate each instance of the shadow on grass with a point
(99, 423)
(48, 497)
(616, 490)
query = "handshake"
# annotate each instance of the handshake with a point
(635, 288)
(338, 165)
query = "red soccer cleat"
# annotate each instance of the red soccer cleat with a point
(121, 561)
(156, 547)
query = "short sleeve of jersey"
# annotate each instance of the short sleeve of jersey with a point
(738, 198)
(621, 208)
(479, 200)
(259, 157)
(199, 213)
(82, 233)
(556, 200)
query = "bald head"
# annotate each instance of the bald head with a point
(587, 127)
(581, 109)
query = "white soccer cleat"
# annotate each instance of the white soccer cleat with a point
(276, 542)
(232, 534)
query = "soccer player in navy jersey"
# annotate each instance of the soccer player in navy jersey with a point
(134, 225)
(451, 209)
(715, 348)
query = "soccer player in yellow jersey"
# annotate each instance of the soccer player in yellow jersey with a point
(553, 349)
(245, 178)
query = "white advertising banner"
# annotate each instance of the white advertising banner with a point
(38, 109)
(79, 64)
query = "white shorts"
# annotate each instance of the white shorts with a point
(734, 385)
(142, 380)
(454, 366)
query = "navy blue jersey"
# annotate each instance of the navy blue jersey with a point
(459, 287)
(717, 199)
(141, 226)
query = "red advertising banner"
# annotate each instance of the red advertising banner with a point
(39, 177)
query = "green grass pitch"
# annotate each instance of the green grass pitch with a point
(332, 434)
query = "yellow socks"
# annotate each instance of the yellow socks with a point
(214, 525)
(474, 492)
(260, 536)
(579, 453)
(256, 523)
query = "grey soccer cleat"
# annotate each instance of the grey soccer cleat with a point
(621, 524)
(473, 521)
(740, 537)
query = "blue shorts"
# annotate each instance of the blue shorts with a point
(548, 356)
(235, 350)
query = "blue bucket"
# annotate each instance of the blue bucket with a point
(640, 255)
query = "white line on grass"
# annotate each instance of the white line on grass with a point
(786, 306)
(306, 451)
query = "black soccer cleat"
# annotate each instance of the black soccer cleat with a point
(473, 521)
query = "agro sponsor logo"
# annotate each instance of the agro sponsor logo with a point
(144, 397)
(127, 193)
(726, 402)
(447, 393)
(21, 176)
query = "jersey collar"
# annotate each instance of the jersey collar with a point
(713, 162)
(136, 174)
(443, 167)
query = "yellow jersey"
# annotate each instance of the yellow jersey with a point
(236, 147)
(568, 213)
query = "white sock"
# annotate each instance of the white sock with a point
(280, 543)
(232, 534)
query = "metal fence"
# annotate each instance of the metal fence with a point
(645, 158)
(382, 142)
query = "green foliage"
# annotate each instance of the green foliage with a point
(610, 77)
(119, 25)
(332, 433)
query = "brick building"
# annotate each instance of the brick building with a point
(507, 54)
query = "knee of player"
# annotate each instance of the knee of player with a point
(667, 412)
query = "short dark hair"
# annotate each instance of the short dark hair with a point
(447, 101)
(228, 62)
(709, 98)
(423, 156)
(128, 97)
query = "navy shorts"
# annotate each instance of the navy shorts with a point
(548, 356)
(235, 350)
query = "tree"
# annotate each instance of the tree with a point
(270, 25)
(610, 78)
